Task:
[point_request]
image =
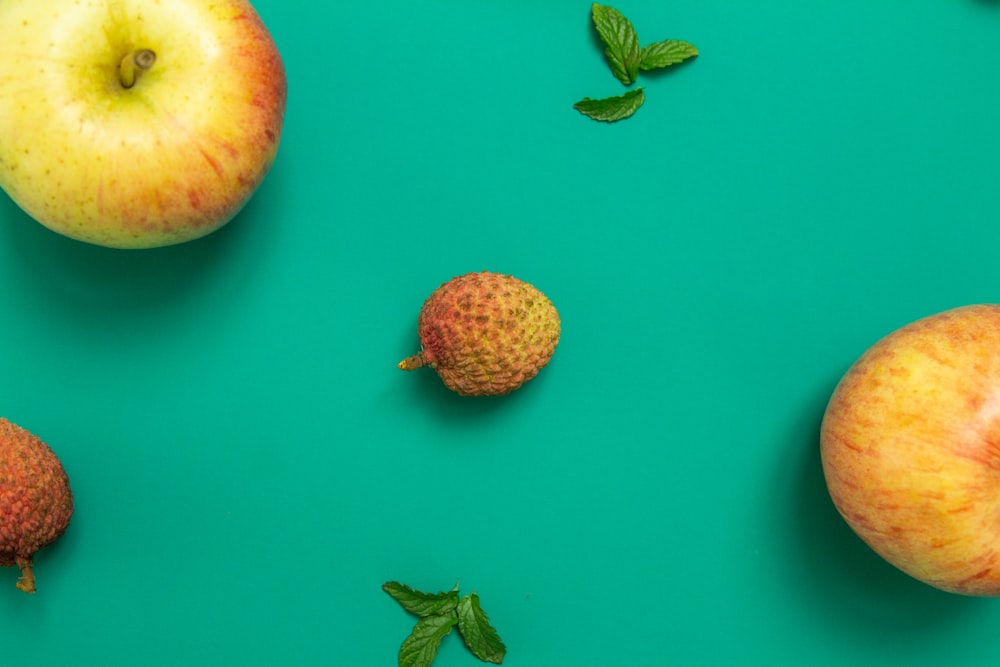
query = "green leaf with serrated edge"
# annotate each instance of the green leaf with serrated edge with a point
(666, 53)
(477, 633)
(621, 42)
(421, 647)
(419, 603)
(611, 109)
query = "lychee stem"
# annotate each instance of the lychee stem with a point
(133, 65)
(414, 362)
(27, 581)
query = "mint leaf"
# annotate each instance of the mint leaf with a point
(477, 633)
(439, 613)
(421, 647)
(666, 53)
(421, 604)
(621, 42)
(611, 109)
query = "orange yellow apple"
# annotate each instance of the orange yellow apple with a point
(910, 446)
(136, 123)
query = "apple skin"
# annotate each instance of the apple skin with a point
(910, 446)
(168, 160)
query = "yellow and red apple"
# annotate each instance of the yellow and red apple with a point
(136, 123)
(910, 448)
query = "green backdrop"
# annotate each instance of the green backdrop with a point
(249, 465)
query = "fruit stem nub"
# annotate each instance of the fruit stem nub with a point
(27, 581)
(414, 362)
(134, 64)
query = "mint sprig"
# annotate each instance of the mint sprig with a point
(438, 613)
(626, 58)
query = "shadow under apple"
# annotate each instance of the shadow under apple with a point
(845, 581)
(93, 283)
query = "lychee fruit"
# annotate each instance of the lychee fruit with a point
(485, 333)
(35, 500)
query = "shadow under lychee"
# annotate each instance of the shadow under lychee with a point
(424, 391)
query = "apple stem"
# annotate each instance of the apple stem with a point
(133, 64)
(414, 362)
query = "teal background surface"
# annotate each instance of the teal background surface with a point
(249, 466)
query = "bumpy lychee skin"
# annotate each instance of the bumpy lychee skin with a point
(35, 500)
(486, 333)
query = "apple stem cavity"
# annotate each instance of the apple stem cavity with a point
(133, 65)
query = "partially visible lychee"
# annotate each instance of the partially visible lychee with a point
(486, 333)
(35, 500)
